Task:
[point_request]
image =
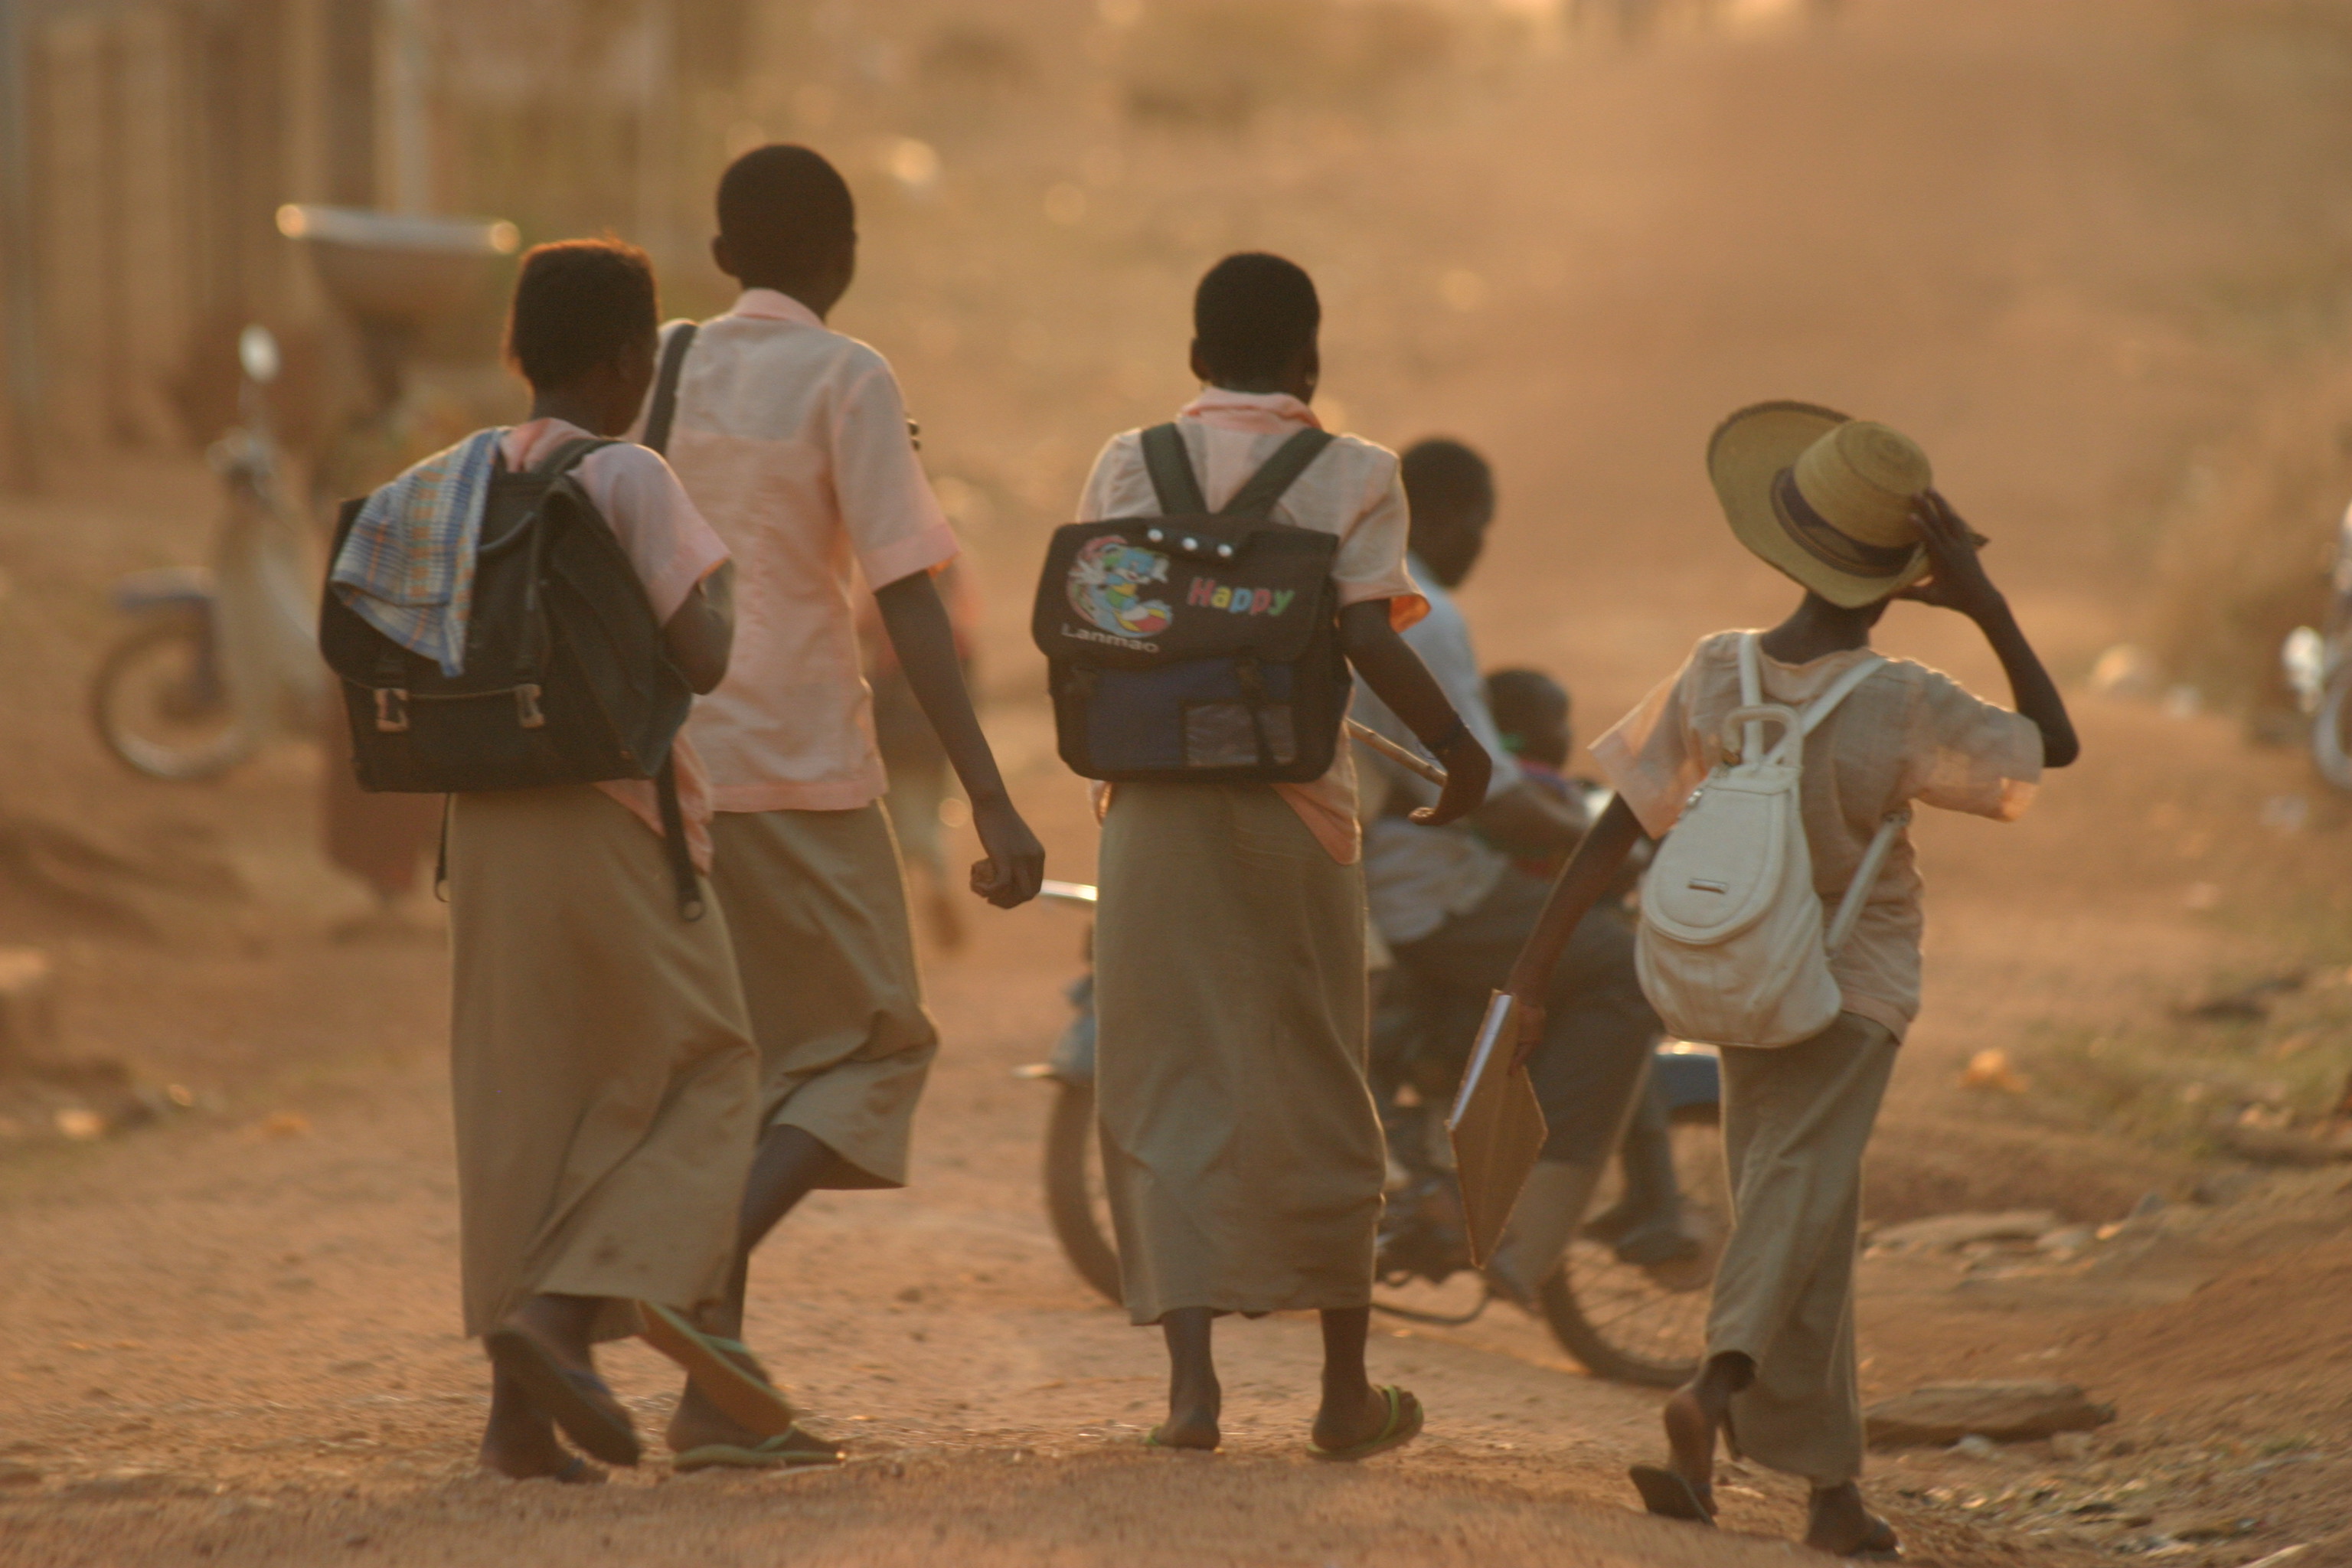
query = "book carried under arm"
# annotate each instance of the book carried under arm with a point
(1497, 1128)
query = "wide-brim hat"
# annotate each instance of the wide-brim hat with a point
(1825, 498)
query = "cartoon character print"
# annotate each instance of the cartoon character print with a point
(1107, 583)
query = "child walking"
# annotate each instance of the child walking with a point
(1241, 1147)
(1847, 509)
(794, 442)
(604, 1081)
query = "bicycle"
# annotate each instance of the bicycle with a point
(1622, 1317)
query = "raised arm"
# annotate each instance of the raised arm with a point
(1398, 678)
(1958, 582)
(925, 642)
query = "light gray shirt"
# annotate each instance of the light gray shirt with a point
(1418, 877)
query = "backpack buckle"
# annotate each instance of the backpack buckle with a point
(527, 711)
(391, 711)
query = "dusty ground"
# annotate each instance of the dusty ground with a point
(233, 1332)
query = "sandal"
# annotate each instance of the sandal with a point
(792, 1450)
(1670, 1494)
(1403, 1425)
(580, 1403)
(726, 1371)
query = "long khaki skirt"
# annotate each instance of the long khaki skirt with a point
(816, 906)
(1241, 1148)
(607, 1093)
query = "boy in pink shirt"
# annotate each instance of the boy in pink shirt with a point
(794, 444)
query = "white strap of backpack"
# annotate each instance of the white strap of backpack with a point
(1751, 695)
(1882, 844)
(1865, 879)
(1827, 702)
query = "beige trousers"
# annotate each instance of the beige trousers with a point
(817, 907)
(606, 1092)
(1240, 1149)
(1795, 1122)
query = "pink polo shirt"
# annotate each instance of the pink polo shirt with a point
(1352, 488)
(792, 440)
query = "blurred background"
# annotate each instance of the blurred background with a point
(2094, 255)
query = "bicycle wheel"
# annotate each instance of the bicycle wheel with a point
(1074, 1202)
(1647, 1325)
(160, 705)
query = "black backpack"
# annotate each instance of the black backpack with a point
(567, 678)
(1196, 646)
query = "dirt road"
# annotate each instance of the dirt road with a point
(2063, 246)
(232, 1338)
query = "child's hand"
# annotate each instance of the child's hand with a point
(1955, 579)
(1531, 1031)
(1468, 771)
(1016, 861)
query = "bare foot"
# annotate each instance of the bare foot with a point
(1349, 1416)
(1840, 1525)
(1193, 1406)
(1690, 1440)
(698, 1424)
(520, 1442)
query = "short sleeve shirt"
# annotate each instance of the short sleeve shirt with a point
(672, 548)
(1907, 733)
(794, 441)
(1352, 488)
(1417, 877)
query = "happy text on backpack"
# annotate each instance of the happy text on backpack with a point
(1193, 646)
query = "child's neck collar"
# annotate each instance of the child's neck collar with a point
(800, 294)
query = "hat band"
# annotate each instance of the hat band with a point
(1829, 543)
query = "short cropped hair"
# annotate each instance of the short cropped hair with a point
(785, 210)
(579, 304)
(1441, 474)
(1251, 315)
(1525, 701)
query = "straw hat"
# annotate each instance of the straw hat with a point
(1824, 497)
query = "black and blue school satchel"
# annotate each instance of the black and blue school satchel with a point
(1196, 646)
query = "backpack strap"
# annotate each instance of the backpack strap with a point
(1826, 703)
(566, 458)
(1751, 695)
(681, 854)
(664, 409)
(1277, 475)
(1170, 465)
(1865, 878)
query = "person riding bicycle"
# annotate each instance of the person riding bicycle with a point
(1453, 910)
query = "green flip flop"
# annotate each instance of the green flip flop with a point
(726, 1371)
(792, 1450)
(1403, 1425)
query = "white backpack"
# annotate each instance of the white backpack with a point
(1731, 951)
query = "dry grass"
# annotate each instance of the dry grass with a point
(2167, 1081)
